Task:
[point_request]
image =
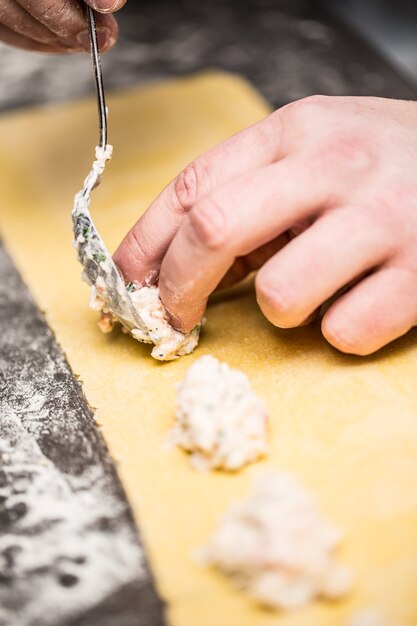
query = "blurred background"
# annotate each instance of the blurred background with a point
(288, 48)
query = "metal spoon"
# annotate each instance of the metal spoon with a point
(99, 268)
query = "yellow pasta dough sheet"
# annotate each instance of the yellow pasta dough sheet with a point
(345, 426)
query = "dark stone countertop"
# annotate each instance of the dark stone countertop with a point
(68, 543)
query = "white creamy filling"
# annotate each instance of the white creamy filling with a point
(277, 547)
(219, 418)
(169, 343)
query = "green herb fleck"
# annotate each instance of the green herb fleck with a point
(86, 230)
(131, 287)
(99, 257)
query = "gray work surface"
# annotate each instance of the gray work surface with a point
(70, 553)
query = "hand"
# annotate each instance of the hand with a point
(342, 174)
(56, 25)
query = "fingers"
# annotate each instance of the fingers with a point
(338, 247)
(12, 38)
(67, 21)
(16, 19)
(232, 222)
(246, 264)
(378, 310)
(141, 252)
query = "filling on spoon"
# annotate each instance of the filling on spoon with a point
(138, 309)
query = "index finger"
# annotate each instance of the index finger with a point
(235, 220)
(140, 254)
(68, 21)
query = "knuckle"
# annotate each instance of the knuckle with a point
(351, 149)
(185, 189)
(190, 185)
(311, 105)
(138, 245)
(316, 100)
(208, 222)
(54, 10)
(272, 127)
(58, 15)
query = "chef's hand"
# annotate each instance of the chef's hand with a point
(339, 172)
(56, 25)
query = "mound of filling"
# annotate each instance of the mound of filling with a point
(219, 418)
(169, 343)
(277, 548)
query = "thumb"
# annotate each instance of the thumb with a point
(106, 6)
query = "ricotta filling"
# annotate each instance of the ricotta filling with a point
(139, 310)
(277, 548)
(219, 418)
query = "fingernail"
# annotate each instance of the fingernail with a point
(183, 324)
(105, 6)
(173, 320)
(104, 38)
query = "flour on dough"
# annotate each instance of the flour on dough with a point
(139, 310)
(219, 418)
(277, 548)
